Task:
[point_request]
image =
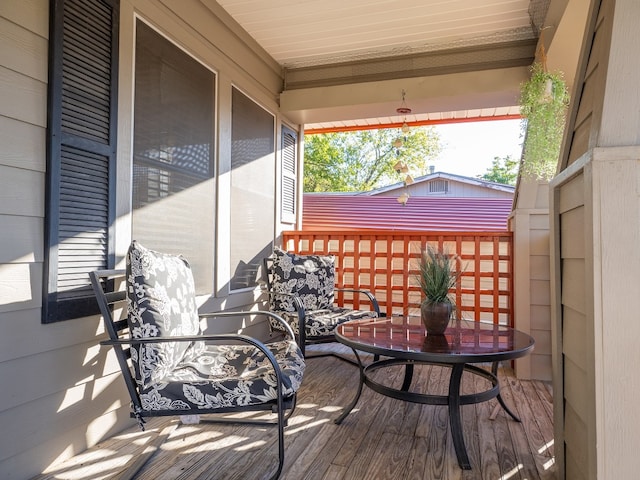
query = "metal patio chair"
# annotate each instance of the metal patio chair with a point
(171, 368)
(301, 289)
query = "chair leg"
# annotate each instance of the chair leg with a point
(332, 354)
(282, 421)
(291, 409)
(337, 355)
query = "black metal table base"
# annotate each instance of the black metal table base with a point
(453, 399)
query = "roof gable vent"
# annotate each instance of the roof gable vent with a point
(438, 186)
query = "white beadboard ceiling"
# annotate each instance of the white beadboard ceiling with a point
(304, 33)
(309, 32)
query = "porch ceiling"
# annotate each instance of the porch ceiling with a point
(346, 63)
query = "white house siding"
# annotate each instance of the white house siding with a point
(60, 393)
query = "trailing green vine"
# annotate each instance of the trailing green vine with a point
(544, 99)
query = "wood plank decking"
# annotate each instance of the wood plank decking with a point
(382, 438)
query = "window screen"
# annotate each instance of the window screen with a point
(252, 188)
(173, 169)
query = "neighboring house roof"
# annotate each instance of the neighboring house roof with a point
(342, 212)
(447, 176)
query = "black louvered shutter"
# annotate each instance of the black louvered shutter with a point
(289, 177)
(80, 207)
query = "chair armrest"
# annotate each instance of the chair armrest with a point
(204, 338)
(367, 293)
(182, 338)
(297, 303)
(255, 313)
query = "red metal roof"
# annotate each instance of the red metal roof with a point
(342, 212)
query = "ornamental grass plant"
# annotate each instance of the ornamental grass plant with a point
(438, 273)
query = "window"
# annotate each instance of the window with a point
(173, 170)
(438, 186)
(289, 155)
(81, 150)
(252, 188)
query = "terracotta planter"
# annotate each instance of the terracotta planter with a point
(435, 317)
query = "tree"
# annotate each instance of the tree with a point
(503, 170)
(362, 160)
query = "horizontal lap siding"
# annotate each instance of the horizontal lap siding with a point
(23, 121)
(61, 381)
(23, 144)
(576, 458)
(539, 301)
(38, 409)
(575, 365)
(385, 263)
(583, 136)
(23, 76)
(64, 394)
(574, 325)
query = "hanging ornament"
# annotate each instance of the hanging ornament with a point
(400, 167)
(403, 199)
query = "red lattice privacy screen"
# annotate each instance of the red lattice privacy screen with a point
(386, 262)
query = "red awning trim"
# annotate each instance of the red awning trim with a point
(417, 123)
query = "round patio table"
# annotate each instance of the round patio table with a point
(402, 340)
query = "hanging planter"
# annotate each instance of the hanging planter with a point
(544, 99)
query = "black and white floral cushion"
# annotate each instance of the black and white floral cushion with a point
(226, 376)
(323, 322)
(187, 376)
(160, 302)
(309, 277)
(312, 279)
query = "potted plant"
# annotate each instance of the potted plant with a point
(544, 100)
(437, 275)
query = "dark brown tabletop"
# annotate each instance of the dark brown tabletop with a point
(464, 341)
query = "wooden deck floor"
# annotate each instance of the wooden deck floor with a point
(382, 438)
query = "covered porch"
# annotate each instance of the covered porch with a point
(65, 411)
(382, 438)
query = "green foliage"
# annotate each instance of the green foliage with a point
(544, 112)
(503, 170)
(362, 160)
(437, 274)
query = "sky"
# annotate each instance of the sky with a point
(469, 148)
